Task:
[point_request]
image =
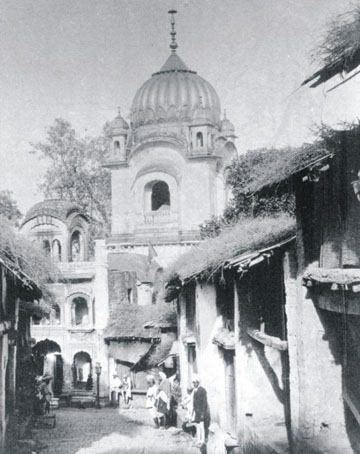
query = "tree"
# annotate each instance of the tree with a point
(9, 208)
(244, 171)
(75, 173)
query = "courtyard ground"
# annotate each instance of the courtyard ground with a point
(110, 431)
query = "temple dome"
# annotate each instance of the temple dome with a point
(227, 127)
(119, 125)
(174, 94)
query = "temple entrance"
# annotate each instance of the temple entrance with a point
(49, 361)
(82, 371)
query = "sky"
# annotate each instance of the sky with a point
(81, 59)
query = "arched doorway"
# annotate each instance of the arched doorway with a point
(82, 371)
(48, 360)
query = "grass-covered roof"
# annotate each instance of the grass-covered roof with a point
(126, 321)
(271, 167)
(157, 353)
(25, 259)
(246, 236)
(339, 51)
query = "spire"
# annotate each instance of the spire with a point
(173, 44)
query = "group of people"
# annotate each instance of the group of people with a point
(122, 389)
(164, 399)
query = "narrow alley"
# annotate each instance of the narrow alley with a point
(108, 431)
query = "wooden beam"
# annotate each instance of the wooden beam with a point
(269, 341)
(350, 400)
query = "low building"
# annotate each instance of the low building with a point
(19, 295)
(322, 294)
(233, 332)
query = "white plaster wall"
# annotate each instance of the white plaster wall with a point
(198, 194)
(192, 183)
(101, 286)
(122, 201)
(210, 361)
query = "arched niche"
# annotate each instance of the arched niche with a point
(80, 311)
(46, 246)
(199, 140)
(56, 251)
(77, 246)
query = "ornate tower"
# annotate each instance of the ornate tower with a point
(168, 168)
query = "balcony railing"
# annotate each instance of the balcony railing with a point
(160, 217)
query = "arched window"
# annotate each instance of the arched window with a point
(116, 145)
(57, 315)
(56, 250)
(80, 311)
(199, 140)
(46, 246)
(160, 196)
(76, 247)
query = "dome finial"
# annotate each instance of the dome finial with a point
(173, 44)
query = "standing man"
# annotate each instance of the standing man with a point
(201, 411)
(163, 401)
(116, 388)
(127, 389)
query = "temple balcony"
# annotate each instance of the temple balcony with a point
(160, 217)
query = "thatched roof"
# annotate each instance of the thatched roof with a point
(167, 320)
(340, 50)
(278, 165)
(156, 354)
(60, 209)
(246, 236)
(127, 321)
(26, 260)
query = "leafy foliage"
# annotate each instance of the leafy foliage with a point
(244, 172)
(25, 257)
(9, 208)
(75, 173)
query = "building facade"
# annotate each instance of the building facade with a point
(168, 170)
(69, 341)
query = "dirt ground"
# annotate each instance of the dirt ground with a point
(111, 431)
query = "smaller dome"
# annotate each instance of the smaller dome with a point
(119, 125)
(60, 209)
(227, 128)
